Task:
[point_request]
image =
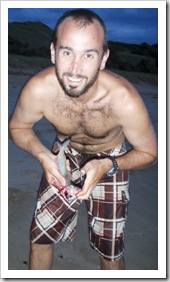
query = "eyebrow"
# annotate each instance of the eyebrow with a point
(86, 50)
(92, 50)
(65, 47)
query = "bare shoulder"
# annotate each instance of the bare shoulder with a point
(31, 103)
(131, 113)
(39, 84)
(123, 96)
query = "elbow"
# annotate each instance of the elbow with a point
(150, 158)
(154, 161)
(11, 124)
(10, 129)
(154, 158)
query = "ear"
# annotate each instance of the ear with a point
(104, 59)
(52, 49)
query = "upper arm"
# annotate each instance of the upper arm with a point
(29, 108)
(137, 125)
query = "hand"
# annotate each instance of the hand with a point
(94, 171)
(49, 164)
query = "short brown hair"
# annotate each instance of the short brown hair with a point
(83, 17)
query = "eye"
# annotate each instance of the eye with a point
(89, 56)
(67, 53)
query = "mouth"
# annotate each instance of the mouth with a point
(74, 79)
(74, 82)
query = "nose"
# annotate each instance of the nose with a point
(75, 65)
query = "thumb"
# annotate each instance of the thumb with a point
(83, 174)
(58, 178)
(83, 171)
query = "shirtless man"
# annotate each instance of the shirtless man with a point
(97, 110)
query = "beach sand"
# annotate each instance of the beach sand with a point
(141, 236)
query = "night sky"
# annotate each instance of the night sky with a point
(129, 25)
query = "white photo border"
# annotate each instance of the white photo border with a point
(161, 272)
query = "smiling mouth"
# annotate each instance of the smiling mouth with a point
(74, 79)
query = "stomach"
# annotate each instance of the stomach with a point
(84, 143)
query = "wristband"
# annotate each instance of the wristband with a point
(115, 167)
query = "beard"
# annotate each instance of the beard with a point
(76, 91)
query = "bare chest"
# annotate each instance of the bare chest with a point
(70, 119)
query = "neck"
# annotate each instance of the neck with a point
(88, 95)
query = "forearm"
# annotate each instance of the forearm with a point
(136, 160)
(28, 141)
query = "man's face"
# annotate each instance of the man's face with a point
(78, 56)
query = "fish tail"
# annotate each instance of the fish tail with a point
(62, 145)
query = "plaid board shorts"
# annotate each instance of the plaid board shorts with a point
(55, 219)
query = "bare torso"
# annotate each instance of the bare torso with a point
(92, 125)
(97, 110)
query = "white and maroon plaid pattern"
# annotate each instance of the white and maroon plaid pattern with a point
(55, 219)
(107, 213)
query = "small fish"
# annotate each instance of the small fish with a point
(68, 191)
(61, 160)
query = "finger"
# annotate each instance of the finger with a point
(85, 192)
(57, 178)
(83, 196)
(83, 171)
